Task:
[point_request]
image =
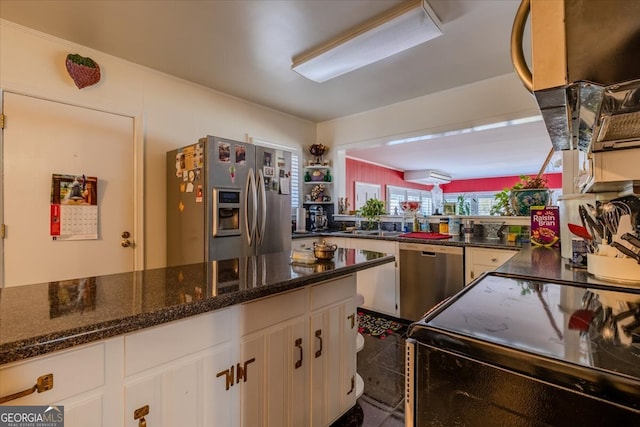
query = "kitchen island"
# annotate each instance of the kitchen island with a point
(197, 344)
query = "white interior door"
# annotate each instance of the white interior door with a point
(365, 192)
(42, 138)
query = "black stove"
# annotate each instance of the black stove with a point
(514, 350)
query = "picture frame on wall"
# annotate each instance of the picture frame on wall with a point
(449, 208)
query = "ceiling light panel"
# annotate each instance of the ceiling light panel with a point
(401, 28)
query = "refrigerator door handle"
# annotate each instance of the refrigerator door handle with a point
(250, 192)
(262, 205)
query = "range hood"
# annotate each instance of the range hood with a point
(586, 70)
(426, 176)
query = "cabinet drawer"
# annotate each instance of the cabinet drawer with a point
(332, 291)
(161, 344)
(272, 310)
(490, 257)
(74, 372)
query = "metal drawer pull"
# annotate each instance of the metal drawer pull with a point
(242, 370)
(352, 317)
(299, 345)
(43, 383)
(139, 414)
(319, 336)
(494, 259)
(228, 377)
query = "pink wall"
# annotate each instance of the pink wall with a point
(373, 174)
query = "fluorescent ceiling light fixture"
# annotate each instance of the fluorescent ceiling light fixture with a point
(401, 28)
(480, 128)
(427, 176)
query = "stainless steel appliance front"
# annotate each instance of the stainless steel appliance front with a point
(428, 275)
(226, 212)
(218, 194)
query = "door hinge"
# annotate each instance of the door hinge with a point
(1, 121)
(2, 230)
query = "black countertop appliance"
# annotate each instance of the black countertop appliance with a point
(519, 351)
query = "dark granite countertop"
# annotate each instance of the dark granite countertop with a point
(475, 241)
(41, 318)
(547, 264)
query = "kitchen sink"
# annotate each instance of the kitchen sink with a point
(381, 233)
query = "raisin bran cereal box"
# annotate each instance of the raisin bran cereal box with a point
(545, 225)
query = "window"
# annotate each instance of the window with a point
(482, 202)
(395, 195)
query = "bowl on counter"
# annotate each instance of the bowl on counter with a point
(491, 229)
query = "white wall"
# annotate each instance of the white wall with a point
(174, 112)
(489, 101)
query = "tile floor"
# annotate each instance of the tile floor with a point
(381, 366)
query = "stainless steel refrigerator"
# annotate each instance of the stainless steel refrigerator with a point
(227, 199)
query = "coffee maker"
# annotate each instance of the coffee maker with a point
(318, 218)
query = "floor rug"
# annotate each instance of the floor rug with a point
(379, 327)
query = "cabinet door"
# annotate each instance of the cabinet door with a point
(332, 334)
(333, 363)
(180, 371)
(185, 392)
(479, 260)
(273, 387)
(272, 376)
(379, 285)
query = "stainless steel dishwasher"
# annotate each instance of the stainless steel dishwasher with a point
(428, 275)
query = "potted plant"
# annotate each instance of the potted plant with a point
(517, 200)
(464, 207)
(371, 211)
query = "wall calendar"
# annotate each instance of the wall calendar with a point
(74, 207)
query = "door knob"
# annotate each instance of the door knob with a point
(125, 242)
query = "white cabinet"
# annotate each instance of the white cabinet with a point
(333, 334)
(77, 381)
(247, 365)
(305, 243)
(341, 242)
(272, 368)
(177, 370)
(479, 260)
(379, 285)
